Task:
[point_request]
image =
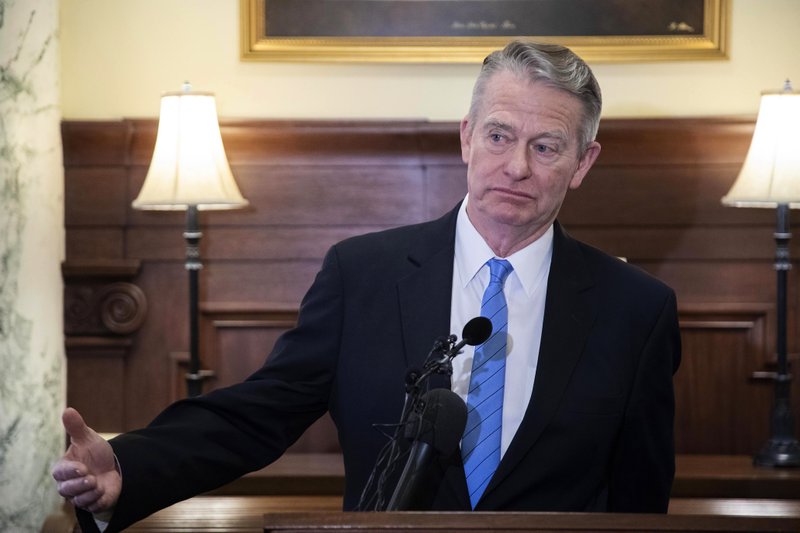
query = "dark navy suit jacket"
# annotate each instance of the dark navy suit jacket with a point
(597, 434)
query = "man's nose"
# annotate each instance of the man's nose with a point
(518, 165)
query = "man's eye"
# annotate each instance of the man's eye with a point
(496, 137)
(543, 149)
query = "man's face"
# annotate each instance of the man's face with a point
(523, 154)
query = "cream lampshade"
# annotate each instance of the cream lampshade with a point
(189, 166)
(771, 171)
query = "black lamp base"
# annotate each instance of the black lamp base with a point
(779, 453)
(782, 449)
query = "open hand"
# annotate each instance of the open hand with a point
(87, 474)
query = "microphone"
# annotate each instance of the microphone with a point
(437, 429)
(475, 332)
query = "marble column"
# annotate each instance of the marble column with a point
(32, 368)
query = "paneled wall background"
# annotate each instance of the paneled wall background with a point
(653, 198)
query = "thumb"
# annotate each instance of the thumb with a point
(78, 431)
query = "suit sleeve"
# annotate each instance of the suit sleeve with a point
(643, 467)
(199, 444)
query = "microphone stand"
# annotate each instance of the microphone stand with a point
(438, 361)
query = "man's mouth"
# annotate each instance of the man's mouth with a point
(510, 192)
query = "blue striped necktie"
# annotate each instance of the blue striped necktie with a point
(480, 447)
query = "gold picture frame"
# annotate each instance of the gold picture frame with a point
(680, 41)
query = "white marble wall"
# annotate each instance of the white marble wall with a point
(32, 369)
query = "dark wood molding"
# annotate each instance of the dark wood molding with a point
(99, 298)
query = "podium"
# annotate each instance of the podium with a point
(422, 522)
(711, 493)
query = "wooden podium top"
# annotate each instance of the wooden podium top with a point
(302, 494)
(413, 522)
(306, 513)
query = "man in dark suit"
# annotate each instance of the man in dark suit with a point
(588, 347)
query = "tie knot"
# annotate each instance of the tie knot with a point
(499, 269)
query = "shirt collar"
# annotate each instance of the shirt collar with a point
(472, 253)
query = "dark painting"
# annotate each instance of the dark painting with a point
(484, 18)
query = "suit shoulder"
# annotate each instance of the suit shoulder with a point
(422, 236)
(380, 238)
(618, 270)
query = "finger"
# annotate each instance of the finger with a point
(76, 487)
(65, 469)
(87, 499)
(79, 433)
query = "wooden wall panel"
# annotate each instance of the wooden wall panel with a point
(653, 197)
(96, 371)
(724, 345)
(107, 183)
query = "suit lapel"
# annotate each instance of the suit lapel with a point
(424, 295)
(569, 313)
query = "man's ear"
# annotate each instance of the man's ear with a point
(466, 139)
(584, 164)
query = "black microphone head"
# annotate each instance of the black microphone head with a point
(477, 331)
(442, 421)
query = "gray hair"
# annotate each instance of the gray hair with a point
(552, 64)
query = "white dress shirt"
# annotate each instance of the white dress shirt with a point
(525, 290)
